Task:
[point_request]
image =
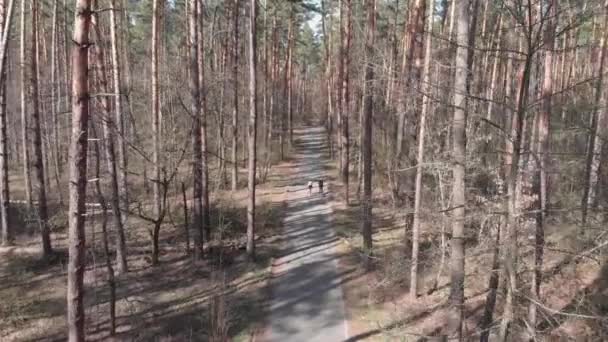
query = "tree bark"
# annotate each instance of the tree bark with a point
(289, 76)
(45, 232)
(252, 132)
(456, 310)
(328, 99)
(5, 26)
(24, 116)
(157, 8)
(235, 108)
(119, 115)
(543, 156)
(366, 124)
(205, 221)
(513, 181)
(196, 133)
(54, 101)
(346, 22)
(186, 219)
(78, 171)
(488, 314)
(426, 89)
(108, 125)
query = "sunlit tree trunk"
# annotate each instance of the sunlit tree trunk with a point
(118, 109)
(78, 171)
(252, 131)
(456, 310)
(426, 89)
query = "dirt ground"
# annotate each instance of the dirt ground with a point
(169, 302)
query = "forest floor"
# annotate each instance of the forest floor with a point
(178, 300)
(574, 291)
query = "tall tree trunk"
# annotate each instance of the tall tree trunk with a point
(328, 100)
(409, 79)
(346, 22)
(252, 132)
(108, 125)
(366, 124)
(543, 155)
(39, 160)
(235, 108)
(78, 171)
(157, 9)
(456, 311)
(594, 146)
(119, 115)
(267, 123)
(513, 177)
(426, 89)
(24, 116)
(196, 133)
(5, 26)
(289, 75)
(205, 221)
(54, 101)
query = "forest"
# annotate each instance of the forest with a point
(303, 170)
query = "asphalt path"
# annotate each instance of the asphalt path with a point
(306, 301)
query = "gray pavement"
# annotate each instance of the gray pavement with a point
(306, 294)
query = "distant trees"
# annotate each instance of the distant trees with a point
(594, 146)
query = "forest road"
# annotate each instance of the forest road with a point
(306, 301)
